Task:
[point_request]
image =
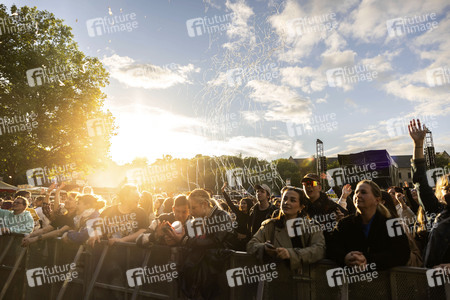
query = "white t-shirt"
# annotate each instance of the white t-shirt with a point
(40, 213)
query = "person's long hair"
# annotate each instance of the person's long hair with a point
(147, 202)
(442, 182)
(249, 202)
(168, 203)
(202, 196)
(389, 203)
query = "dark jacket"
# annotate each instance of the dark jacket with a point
(379, 248)
(437, 250)
(323, 206)
(241, 217)
(202, 259)
(213, 240)
(255, 222)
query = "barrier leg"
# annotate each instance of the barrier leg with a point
(96, 272)
(10, 242)
(136, 288)
(13, 272)
(66, 282)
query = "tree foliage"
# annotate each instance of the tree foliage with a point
(64, 104)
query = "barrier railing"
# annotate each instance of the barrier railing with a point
(101, 275)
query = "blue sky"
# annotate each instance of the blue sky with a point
(184, 95)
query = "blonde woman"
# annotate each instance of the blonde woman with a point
(363, 238)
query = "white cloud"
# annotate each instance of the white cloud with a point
(147, 76)
(242, 32)
(283, 103)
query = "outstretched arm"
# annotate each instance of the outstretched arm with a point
(417, 133)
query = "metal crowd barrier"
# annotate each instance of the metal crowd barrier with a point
(101, 275)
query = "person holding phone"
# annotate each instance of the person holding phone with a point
(277, 240)
(161, 231)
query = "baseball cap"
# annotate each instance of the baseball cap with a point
(311, 176)
(264, 187)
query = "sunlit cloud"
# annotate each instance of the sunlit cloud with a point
(148, 76)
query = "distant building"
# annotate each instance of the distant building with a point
(443, 154)
(404, 168)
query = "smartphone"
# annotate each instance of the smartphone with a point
(269, 245)
(168, 228)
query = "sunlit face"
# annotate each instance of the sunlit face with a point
(364, 199)
(445, 190)
(181, 213)
(38, 202)
(243, 206)
(198, 209)
(261, 195)
(133, 198)
(81, 207)
(392, 193)
(312, 189)
(70, 203)
(158, 203)
(290, 204)
(18, 206)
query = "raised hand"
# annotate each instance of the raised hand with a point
(62, 185)
(225, 185)
(417, 132)
(346, 190)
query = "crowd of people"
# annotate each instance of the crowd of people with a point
(353, 231)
